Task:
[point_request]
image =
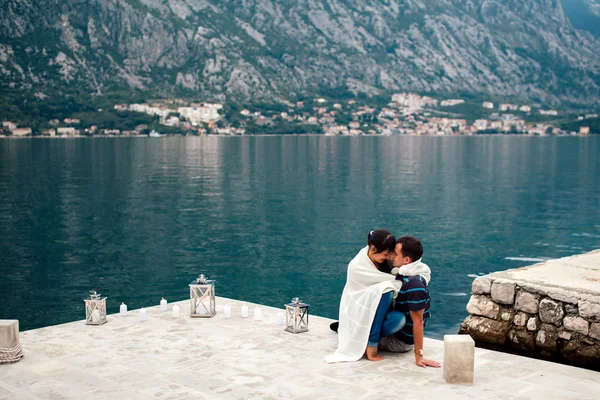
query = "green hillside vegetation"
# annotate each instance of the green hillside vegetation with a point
(468, 110)
(36, 113)
(283, 128)
(111, 119)
(593, 123)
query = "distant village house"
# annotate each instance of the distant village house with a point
(21, 132)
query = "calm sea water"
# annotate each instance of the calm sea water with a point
(275, 217)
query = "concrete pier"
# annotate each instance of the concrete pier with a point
(184, 358)
(550, 310)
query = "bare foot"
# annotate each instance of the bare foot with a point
(372, 354)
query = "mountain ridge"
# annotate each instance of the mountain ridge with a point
(263, 50)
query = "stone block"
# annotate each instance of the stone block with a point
(522, 340)
(546, 341)
(484, 306)
(520, 319)
(588, 341)
(576, 324)
(459, 359)
(533, 324)
(507, 314)
(591, 353)
(485, 329)
(571, 308)
(527, 302)
(481, 286)
(551, 311)
(565, 335)
(9, 333)
(595, 331)
(503, 293)
(580, 353)
(549, 328)
(588, 309)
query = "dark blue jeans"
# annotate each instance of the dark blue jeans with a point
(386, 321)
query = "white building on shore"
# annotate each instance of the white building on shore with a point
(413, 101)
(21, 132)
(205, 113)
(67, 131)
(481, 124)
(9, 126)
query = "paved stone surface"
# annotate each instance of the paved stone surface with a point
(236, 358)
(574, 278)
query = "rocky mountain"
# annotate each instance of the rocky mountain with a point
(263, 50)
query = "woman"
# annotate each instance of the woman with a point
(365, 313)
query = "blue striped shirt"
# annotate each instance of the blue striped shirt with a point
(413, 296)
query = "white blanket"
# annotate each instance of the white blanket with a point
(413, 269)
(365, 285)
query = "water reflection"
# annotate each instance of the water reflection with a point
(275, 217)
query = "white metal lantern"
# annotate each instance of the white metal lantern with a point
(202, 298)
(95, 309)
(296, 316)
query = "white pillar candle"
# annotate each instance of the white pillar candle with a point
(257, 314)
(123, 310)
(96, 316)
(163, 305)
(143, 315)
(227, 311)
(201, 310)
(244, 311)
(175, 311)
(279, 318)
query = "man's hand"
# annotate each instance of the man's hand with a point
(423, 363)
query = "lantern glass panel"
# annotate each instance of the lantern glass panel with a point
(202, 298)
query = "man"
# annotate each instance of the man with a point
(413, 301)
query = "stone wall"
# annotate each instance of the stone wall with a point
(548, 322)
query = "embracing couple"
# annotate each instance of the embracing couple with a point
(385, 303)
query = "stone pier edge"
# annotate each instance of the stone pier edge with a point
(550, 322)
